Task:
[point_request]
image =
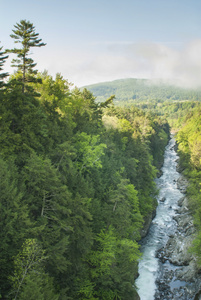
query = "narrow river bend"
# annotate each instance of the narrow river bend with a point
(162, 226)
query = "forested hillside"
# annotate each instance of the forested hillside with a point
(175, 112)
(142, 90)
(172, 102)
(189, 143)
(76, 184)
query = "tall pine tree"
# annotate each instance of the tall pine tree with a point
(24, 33)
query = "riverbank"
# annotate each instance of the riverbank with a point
(162, 225)
(183, 279)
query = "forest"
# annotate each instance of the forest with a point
(77, 182)
(171, 101)
(134, 90)
(189, 143)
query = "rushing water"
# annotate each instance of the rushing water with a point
(162, 226)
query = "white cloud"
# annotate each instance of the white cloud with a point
(181, 67)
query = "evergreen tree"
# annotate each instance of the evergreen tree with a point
(76, 182)
(24, 33)
(14, 221)
(3, 58)
(49, 205)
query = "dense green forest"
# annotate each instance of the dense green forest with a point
(175, 112)
(76, 182)
(189, 144)
(172, 102)
(142, 90)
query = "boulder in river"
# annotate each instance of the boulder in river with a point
(162, 199)
(176, 252)
(182, 184)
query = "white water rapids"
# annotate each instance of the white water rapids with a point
(162, 225)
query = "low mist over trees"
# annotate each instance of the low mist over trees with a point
(133, 90)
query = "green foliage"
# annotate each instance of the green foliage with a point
(3, 58)
(26, 261)
(29, 280)
(111, 266)
(14, 221)
(38, 286)
(175, 112)
(77, 181)
(124, 213)
(89, 151)
(189, 144)
(141, 90)
(171, 102)
(24, 33)
(49, 205)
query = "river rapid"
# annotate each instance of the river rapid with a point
(163, 226)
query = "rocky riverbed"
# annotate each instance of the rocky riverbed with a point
(179, 276)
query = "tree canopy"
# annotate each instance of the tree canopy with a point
(3, 58)
(77, 184)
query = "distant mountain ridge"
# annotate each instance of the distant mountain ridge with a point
(135, 90)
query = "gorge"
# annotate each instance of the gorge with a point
(167, 269)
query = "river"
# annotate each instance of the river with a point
(163, 225)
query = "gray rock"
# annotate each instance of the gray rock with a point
(177, 252)
(163, 199)
(147, 224)
(182, 184)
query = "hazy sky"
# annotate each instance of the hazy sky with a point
(90, 41)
